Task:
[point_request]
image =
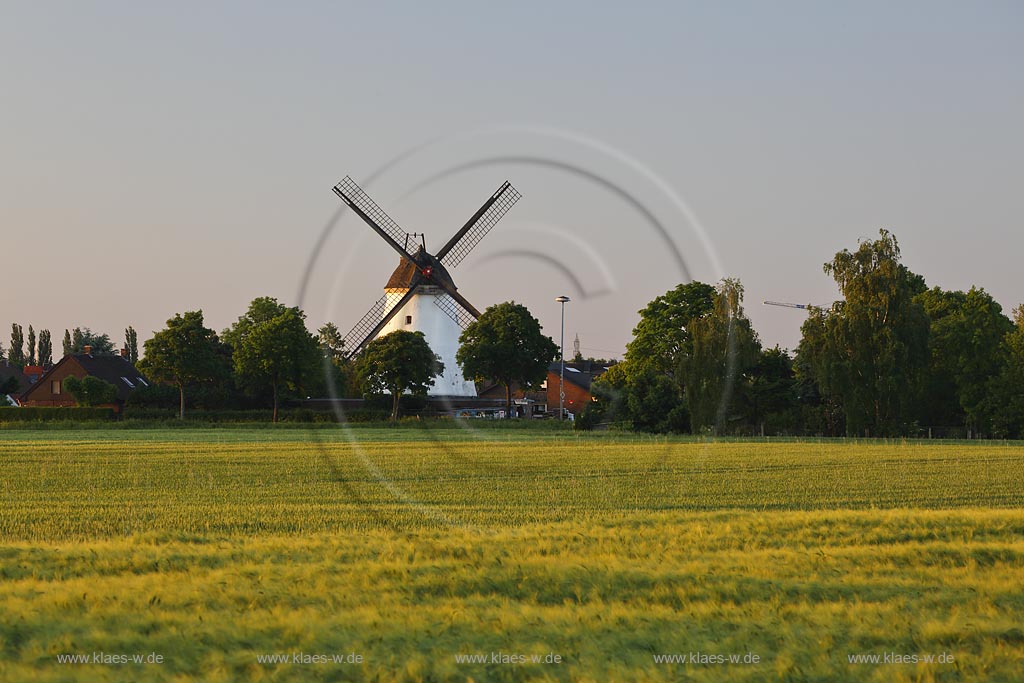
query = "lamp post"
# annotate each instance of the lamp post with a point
(561, 377)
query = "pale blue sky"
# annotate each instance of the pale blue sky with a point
(164, 157)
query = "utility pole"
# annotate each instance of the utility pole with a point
(561, 377)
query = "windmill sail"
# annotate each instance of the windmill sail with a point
(376, 217)
(370, 325)
(454, 310)
(477, 227)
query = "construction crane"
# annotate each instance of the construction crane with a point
(787, 305)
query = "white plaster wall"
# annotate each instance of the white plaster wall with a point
(442, 334)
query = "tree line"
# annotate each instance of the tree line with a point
(892, 357)
(268, 355)
(37, 350)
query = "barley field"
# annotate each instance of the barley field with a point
(419, 554)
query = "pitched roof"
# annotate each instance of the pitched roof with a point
(111, 369)
(402, 277)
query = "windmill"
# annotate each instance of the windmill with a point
(420, 295)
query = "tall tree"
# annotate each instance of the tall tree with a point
(338, 369)
(331, 341)
(68, 346)
(723, 350)
(16, 356)
(506, 344)
(131, 342)
(398, 362)
(965, 345)
(184, 353)
(772, 392)
(1005, 400)
(664, 328)
(870, 351)
(31, 345)
(45, 349)
(272, 348)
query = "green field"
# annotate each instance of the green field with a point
(412, 548)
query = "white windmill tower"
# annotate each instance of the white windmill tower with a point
(420, 295)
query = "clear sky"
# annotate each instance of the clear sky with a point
(162, 157)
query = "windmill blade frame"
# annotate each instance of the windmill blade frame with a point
(374, 216)
(372, 322)
(478, 225)
(454, 310)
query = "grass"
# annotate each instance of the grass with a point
(411, 546)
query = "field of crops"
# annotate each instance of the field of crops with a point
(406, 552)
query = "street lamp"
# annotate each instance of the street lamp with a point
(561, 377)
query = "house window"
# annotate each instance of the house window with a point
(142, 381)
(55, 387)
(128, 382)
(408, 320)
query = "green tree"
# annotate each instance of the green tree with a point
(723, 350)
(131, 342)
(869, 353)
(664, 328)
(31, 345)
(506, 344)
(68, 346)
(100, 343)
(967, 330)
(272, 348)
(337, 369)
(91, 391)
(1004, 400)
(772, 392)
(16, 356)
(45, 349)
(398, 362)
(184, 353)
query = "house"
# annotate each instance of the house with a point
(578, 377)
(114, 369)
(12, 378)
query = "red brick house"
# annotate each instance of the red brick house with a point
(578, 377)
(50, 390)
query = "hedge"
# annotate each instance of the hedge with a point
(261, 415)
(56, 414)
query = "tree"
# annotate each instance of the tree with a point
(185, 352)
(100, 343)
(664, 328)
(772, 392)
(506, 344)
(131, 342)
(398, 362)
(967, 330)
(31, 345)
(91, 391)
(45, 349)
(1004, 400)
(67, 343)
(870, 352)
(338, 369)
(16, 356)
(723, 349)
(331, 341)
(273, 348)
